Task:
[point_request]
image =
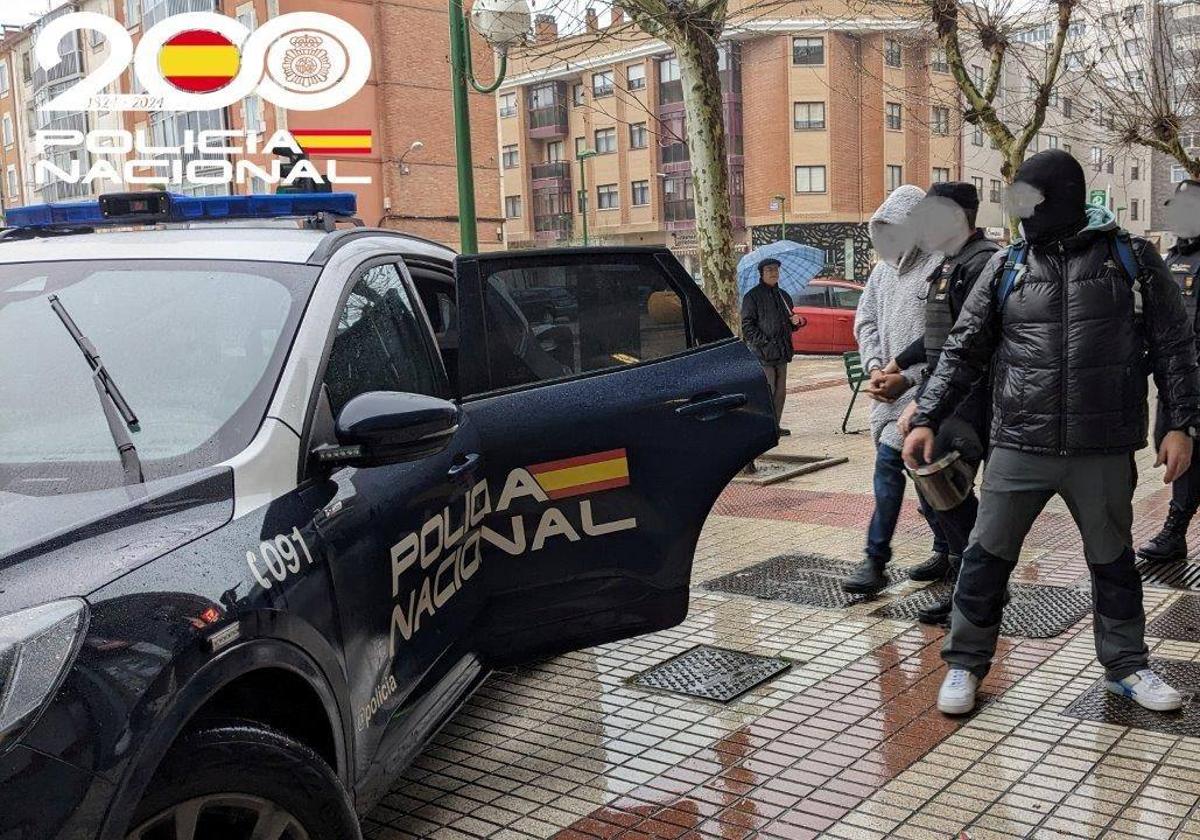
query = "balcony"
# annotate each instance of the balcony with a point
(555, 227)
(557, 170)
(547, 107)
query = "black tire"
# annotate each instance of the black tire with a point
(227, 772)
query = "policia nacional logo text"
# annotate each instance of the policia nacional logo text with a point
(448, 545)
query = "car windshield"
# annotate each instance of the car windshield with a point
(195, 348)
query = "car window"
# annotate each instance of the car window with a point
(812, 296)
(380, 344)
(845, 298)
(554, 321)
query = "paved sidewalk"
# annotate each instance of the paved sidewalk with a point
(846, 743)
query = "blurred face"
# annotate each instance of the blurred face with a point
(1183, 214)
(770, 274)
(940, 225)
(892, 242)
(1022, 200)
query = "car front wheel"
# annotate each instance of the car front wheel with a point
(244, 781)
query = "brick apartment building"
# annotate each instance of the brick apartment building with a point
(406, 99)
(824, 116)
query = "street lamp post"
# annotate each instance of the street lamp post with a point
(502, 23)
(782, 199)
(583, 193)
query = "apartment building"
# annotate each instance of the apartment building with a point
(406, 99)
(11, 186)
(823, 117)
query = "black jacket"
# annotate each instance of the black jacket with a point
(1070, 355)
(767, 323)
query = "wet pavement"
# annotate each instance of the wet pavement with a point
(846, 742)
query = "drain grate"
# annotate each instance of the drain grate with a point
(1180, 621)
(712, 673)
(1099, 705)
(813, 580)
(1183, 575)
(1035, 612)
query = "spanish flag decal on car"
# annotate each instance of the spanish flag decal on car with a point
(333, 141)
(583, 474)
(199, 61)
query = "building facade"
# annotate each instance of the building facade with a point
(823, 117)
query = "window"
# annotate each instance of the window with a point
(1178, 174)
(580, 146)
(606, 141)
(252, 113)
(554, 151)
(668, 70)
(1066, 148)
(1075, 60)
(895, 176)
(635, 76)
(940, 120)
(1109, 165)
(1097, 156)
(977, 183)
(808, 51)
(977, 75)
(1051, 141)
(843, 298)
(512, 206)
(940, 174)
(813, 296)
(994, 191)
(894, 120)
(639, 193)
(133, 13)
(1068, 106)
(607, 197)
(603, 306)
(26, 67)
(380, 343)
(1135, 172)
(1132, 50)
(9, 135)
(639, 136)
(977, 136)
(508, 104)
(4, 79)
(602, 83)
(510, 157)
(577, 95)
(12, 182)
(810, 179)
(891, 52)
(938, 62)
(1133, 209)
(807, 116)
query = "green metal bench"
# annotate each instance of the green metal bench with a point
(855, 376)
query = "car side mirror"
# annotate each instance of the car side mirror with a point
(389, 427)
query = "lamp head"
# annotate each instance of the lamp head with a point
(502, 23)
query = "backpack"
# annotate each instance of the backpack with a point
(1122, 249)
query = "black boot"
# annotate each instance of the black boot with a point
(867, 579)
(1169, 544)
(939, 612)
(935, 568)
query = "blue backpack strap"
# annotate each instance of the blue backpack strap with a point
(1012, 270)
(1123, 247)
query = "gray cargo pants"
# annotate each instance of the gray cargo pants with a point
(1098, 490)
(777, 381)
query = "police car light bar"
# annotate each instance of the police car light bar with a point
(157, 207)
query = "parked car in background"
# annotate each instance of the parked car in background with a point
(828, 305)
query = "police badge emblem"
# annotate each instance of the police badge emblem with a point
(306, 63)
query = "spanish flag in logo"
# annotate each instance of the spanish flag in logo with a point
(333, 141)
(583, 474)
(199, 61)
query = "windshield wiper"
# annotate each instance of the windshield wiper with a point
(120, 417)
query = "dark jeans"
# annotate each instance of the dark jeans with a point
(889, 497)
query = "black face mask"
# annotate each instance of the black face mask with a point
(1062, 211)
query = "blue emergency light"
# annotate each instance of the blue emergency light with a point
(158, 207)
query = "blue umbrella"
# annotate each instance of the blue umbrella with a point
(798, 264)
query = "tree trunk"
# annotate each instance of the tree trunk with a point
(697, 53)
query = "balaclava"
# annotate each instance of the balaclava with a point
(1062, 211)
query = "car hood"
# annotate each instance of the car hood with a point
(72, 544)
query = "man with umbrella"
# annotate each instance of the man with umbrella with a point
(767, 317)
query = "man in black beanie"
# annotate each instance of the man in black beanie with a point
(1069, 321)
(1183, 261)
(944, 221)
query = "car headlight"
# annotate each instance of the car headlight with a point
(36, 647)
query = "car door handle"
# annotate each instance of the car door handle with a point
(463, 464)
(711, 407)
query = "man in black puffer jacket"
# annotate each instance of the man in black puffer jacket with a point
(1070, 335)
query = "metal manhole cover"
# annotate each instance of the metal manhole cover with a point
(1179, 621)
(812, 580)
(1035, 612)
(1099, 705)
(712, 673)
(1182, 575)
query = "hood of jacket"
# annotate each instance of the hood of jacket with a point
(888, 223)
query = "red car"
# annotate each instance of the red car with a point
(828, 306)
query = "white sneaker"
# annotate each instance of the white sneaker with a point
(1148, 690)
(957, 694)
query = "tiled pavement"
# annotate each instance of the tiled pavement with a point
(846, 744)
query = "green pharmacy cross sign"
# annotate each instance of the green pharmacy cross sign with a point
(1098, 198)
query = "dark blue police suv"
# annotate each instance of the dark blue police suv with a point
(275, 495)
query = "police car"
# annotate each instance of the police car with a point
(277, 490)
